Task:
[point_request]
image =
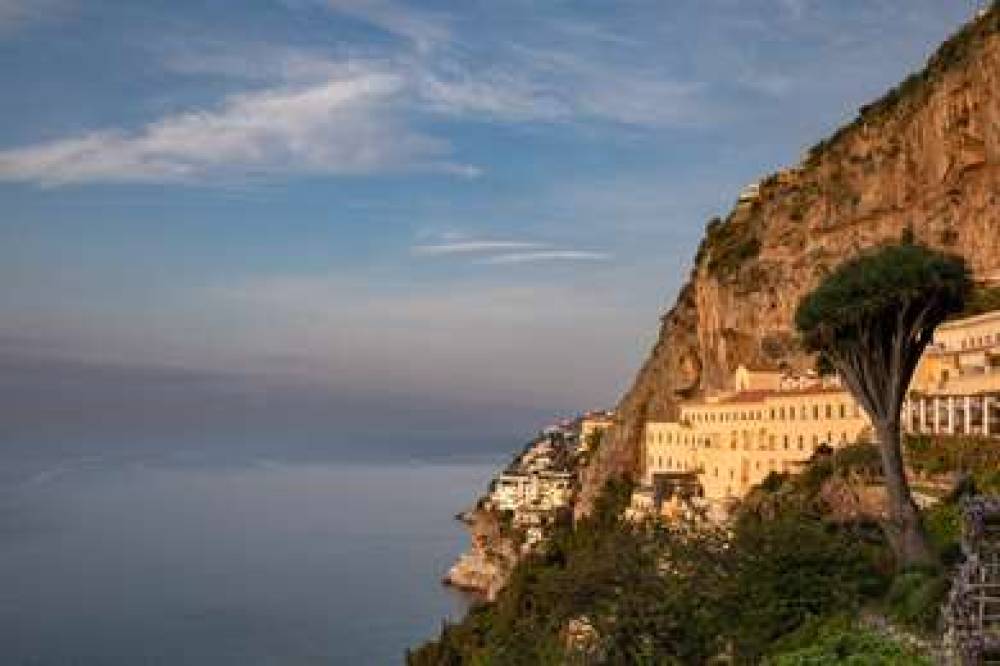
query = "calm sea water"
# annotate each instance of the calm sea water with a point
(257, 563)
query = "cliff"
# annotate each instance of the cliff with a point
(493, 553)
(926, 156)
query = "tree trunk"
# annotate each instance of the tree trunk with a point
(905, 529)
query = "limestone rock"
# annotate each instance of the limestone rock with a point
(926, 157)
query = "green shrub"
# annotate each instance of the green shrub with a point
(836, 644)
(915, 598)
(728, 245)
(944, 527)
(862, 459)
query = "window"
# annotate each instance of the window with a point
(829, 411)
(816, 412)
(843, 411)
(791, 413)
(801, 442)
(772, 413)
(786, 442)
(782, 413)
(805, 414)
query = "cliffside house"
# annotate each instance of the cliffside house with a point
(592, 423)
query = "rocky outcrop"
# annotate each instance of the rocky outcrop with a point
(492, 555)
(925, 157)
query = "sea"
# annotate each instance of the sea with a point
(180, 560)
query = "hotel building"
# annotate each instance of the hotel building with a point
(731, 441)
(956, 388)
(722, 445)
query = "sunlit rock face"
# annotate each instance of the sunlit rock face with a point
(925, 157)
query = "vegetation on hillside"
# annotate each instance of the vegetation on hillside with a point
(955, 51)
(983, 300)
(977, 457)
(727, 245)
(775, 586)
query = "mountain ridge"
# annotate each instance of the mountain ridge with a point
(925, 156)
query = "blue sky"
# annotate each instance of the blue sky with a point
(478, 207)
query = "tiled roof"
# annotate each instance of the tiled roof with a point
(760, 395)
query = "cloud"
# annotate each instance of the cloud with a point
(315, 113)
(424, 29)
(343, 125)
(545, 256)
(557, 86)
(498, 252)
(471, 247)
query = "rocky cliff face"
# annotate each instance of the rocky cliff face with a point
(491, 558)
(926, 156)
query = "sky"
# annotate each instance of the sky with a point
(410, 226)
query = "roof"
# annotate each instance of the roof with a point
(760, 395)
(761, 367)
(967, 321)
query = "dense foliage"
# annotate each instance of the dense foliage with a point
(978, 457)
(657, 594)
(986, 299)
(839, 643)
(874, 289)
(728, 245)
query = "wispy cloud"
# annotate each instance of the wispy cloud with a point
(542, 256)
(315, 112)
(424, 29)
(471, 247)
(343, 125)
(549, 85)
(500, 252)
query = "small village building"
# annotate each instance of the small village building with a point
(592, 423)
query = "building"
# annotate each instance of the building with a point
(956, 387)
(773, 422)
(592, 423)
(732, 441)
(536, 490)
